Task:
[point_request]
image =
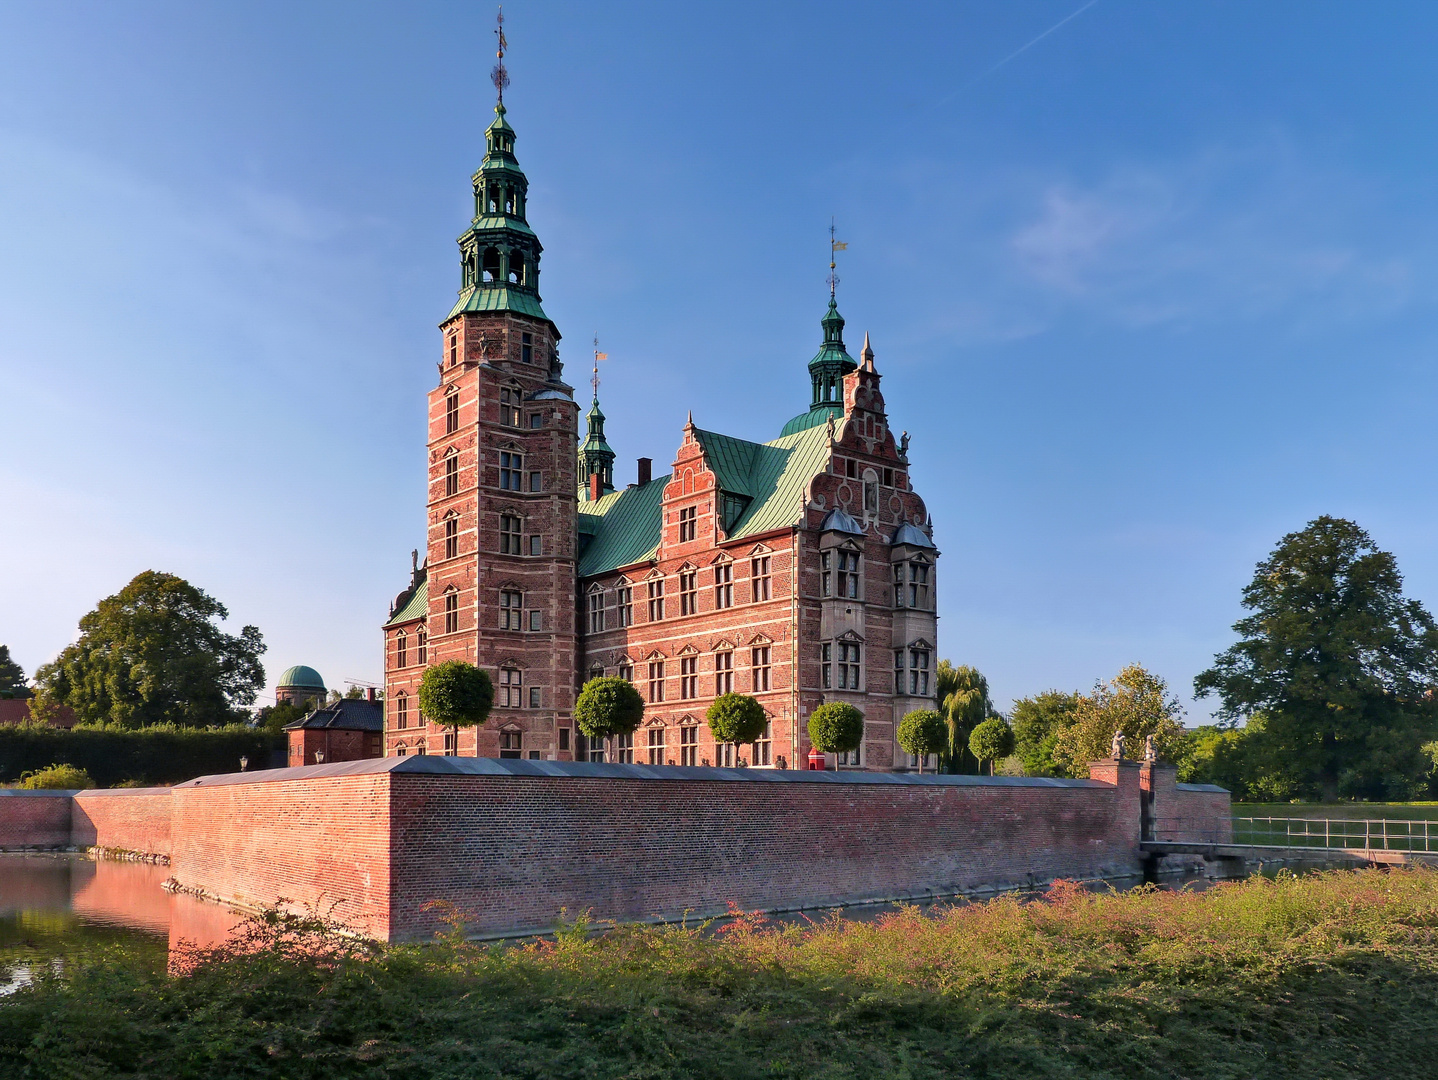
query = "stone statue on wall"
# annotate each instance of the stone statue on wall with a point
(904, 446)
(1116, 748)
(1150, 751)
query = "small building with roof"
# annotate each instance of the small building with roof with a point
(345, 730)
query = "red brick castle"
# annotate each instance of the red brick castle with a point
(799, 570)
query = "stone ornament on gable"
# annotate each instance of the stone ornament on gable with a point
(1150, 751)
(1116, 747)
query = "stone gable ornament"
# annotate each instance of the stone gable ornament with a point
(1150, 751)
(1116, 747)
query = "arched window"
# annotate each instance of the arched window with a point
(516, 268)
(491, 264)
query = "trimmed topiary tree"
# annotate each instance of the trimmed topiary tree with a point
(923, 732)
(456, 694)
(736, 718)
(991, 740)
(608, 706)
(836, 728)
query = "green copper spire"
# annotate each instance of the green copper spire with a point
(499, 253)
(828, 368)
(595, 455)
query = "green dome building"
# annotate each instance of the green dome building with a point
(299, 684)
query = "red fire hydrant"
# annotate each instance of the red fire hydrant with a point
(816, 758)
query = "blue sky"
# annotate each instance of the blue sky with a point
(1148, 293)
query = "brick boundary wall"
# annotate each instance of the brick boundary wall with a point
(1199, 813)
(123, 819)
(34, 819)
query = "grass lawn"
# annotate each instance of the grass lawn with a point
(1331, 975)
(1419, 811)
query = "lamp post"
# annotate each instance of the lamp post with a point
(244, 763)
(319, 757)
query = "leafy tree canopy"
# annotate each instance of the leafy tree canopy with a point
(273, 718)
(152, 654)
(12, 675)
(608, 706)
(964, 702)
(456, 694)
(923, 732)
(991, 740)
(1136, 702)
(56, 777)
(836, 728)
(1339, 663)
(736, 718)
(1037, 722)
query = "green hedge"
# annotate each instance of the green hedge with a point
(158, 755)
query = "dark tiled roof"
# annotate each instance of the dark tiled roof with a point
(347, 714)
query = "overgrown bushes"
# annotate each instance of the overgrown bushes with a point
(155, 755)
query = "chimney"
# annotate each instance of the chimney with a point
(596, 480)
(369, 693)
(646, 467)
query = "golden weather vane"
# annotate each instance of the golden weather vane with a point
(834, 245)
(500, 75)
(598, 356)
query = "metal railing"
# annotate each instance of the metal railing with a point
(1367, 834)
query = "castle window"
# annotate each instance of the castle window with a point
(850, 758)
(535, 697)
(626, 671)
(656, 746)
(848, 574)
(510, 535)
(656, 681)
(451, 536)
(536, 420)
(688, 592)
(688, 677)
(510, 614)
(624, 604)
(826, 574)
(888, 477)
(846, 670)
(624, 748)
(724, 752)
(689, 745)
(511, 688)
(454, 338)
(510, 399)
(759, 572)
(451, 412)
(656, 599)
(760, 658)
(451, 612)
(851, 469)
(401, 710)
(536, 481)
(421, 648)
(536, 620)
(688, 524)
(451, 473)
(536, 544)
(401, 649)
(491, 257)
(564, 738)
(596, 612)
(511, 472)
(899, 584)
(596, 750)
(401, 750)
(724, 585)
(919, 672)
(918, 585)
(526, 351)
(762, 747)
(449, 749)
(898, 671)
(723, 672)
(511, 744)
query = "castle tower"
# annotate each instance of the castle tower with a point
(596, 457)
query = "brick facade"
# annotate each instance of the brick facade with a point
(123, 819)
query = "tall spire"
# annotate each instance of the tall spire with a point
(595, 454)
(828, 368)
(499, 75)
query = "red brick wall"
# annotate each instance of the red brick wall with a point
(319, 839)
(129, 819)
(34, 819)
(1184, 812)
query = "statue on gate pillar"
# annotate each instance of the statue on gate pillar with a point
(1150, 751)
(1116, 748)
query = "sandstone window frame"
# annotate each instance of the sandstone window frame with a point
(511, 406)
(688, 676)
(656, 745)
(624, 748)
(451, 535)
(723, 671)
(421, 645)
(451, 610)
(451, 472)
(761, 666)
(451, 410)
(401, 649)
(624, 603)
(511, 534)
(655, 589)
(401, 711)
(656, 680)
(509, 693)
(511, 470)
(688, 524)
(511, 608)
(760, 579)
(688, 591)
(597, 611)
(723, 584)
(689, 742)
(511, 743)
(761, 749)
(625, 669)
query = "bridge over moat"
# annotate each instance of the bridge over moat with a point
(1373, 841)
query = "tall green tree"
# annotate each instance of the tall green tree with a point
(736, 718)
(1037, 722)
(836, 727)
(923, 732)
(991, 740)
(964, 703)
(1340, 664)
(152, 654)
(12, 676)
(1136, 702)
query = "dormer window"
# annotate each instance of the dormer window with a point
(688, 524)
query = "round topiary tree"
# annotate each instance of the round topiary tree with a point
(456, 694)
(608, 706)
(991, 740)
(923, 732)
(736, 718)
(836, 728)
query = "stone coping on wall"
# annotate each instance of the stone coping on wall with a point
(435, 765)
(23, 793)
(1203, 787)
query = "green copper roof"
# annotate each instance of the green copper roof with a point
(416, 607)
(774, 476)
(499, 221)
(301, 676)
(816, 417)
(498, 298)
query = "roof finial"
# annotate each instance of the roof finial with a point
(834, 245)
(867, 356)
(598, 356)
(500, 75)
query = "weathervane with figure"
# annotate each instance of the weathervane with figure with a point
(500, 75)
(834, 245)
(598, 356)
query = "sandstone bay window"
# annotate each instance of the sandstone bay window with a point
(451, 412)
(724, 585)
(759, 657)
(688, 592)
(511, 609)
(723, 673)
(451, 612)
(401, 649)
(840, 665)
(656, 681)
(510, 400)
(656, 746)
(656, 599)
(451, 536)
(421, 647)
(759, 572)
(511, 535)
(624, 605)
(689, 745)
(688, 524)
(688, 677)
(761, 750)
(911, 585)
(451, 473)
(919, 672)
(596, 612)
(511, 689)
(511, 472)
(839, 574)
(511, 744)
(624, 748)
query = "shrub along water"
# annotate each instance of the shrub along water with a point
(1332, 975)
(163, 754)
